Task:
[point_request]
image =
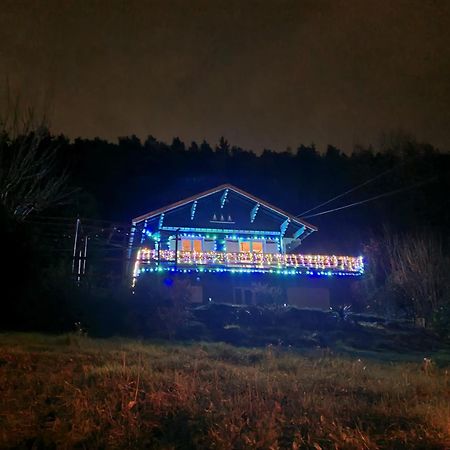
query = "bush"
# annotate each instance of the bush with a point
(441, 321)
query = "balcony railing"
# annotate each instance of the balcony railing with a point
(148, 259)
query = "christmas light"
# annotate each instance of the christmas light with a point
(245, 271)
(248, 262)
(220, 231)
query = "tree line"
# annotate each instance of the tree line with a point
(397, 193)
(121, 180)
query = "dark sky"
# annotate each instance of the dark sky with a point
(261, 73)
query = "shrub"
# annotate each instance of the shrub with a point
(441, 321)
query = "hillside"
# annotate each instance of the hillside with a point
(71, 391)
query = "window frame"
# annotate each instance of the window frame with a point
(191, 242)
(250, 243)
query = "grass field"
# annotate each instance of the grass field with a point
(75, 392)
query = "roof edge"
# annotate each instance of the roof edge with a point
(221, 187)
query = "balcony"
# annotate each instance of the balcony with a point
(149, 260)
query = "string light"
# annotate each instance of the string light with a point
(247, 262)
(245, 271)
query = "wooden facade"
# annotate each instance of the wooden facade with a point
(234, 247)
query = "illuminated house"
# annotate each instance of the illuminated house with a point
(234, 247)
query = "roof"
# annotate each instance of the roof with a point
(223, 187)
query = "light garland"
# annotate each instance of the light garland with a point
(214, 261)
(245, 271)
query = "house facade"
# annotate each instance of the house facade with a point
(230, 246)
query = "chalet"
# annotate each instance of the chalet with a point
(237, 248)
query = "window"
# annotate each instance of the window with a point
(197, 245)
(244, 246)
(257, 247)
(251, 246)
(189, 245)
(186, 245)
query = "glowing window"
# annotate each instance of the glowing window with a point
(257, 247)
(197, 245)
(244, 246)
(186, 245)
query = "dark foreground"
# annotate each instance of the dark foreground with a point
(75, 392)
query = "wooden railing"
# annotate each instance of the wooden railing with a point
(333, 263)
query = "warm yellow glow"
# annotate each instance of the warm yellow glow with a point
(244, 247)
(186, 245)
(257, 247)
(197, 245)
(252, 259)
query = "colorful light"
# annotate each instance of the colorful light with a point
(213, 261)
(245, 271)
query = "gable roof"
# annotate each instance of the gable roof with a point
(223, 187)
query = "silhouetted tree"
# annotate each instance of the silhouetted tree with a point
(30, 179)
(130, 143)
(205, 148)
(177, 145)
(223, 148)
(194, 147)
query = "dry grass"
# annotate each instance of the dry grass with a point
(74, 392)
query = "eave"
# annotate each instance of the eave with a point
(222, 187)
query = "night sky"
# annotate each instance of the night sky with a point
(265, 74)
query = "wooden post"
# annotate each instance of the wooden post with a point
(176, 248)
(128, 254)
(85, 254)
(80, 256)
(75, 245)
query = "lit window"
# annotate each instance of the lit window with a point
(186, 245)
(257, 247)
(244, 246)
(197, 245)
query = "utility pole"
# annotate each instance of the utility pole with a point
(75, 244)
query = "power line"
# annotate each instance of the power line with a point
(348, 192)
(386, 194)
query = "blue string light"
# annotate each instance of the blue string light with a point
(249, 271)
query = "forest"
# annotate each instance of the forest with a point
(387, 202)
(121, 180)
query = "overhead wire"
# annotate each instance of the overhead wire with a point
(385, 194)
(348, 191)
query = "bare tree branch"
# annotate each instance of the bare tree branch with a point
(417, 266)
(30, 180)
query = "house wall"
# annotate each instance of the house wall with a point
(229, 245)
(304, 292)
(308, 297)
(196, 293)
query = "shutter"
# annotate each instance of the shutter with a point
(231, 246)
(172, 244)
(271, 247)
(209, 245)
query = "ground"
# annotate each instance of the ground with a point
(75, 392)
